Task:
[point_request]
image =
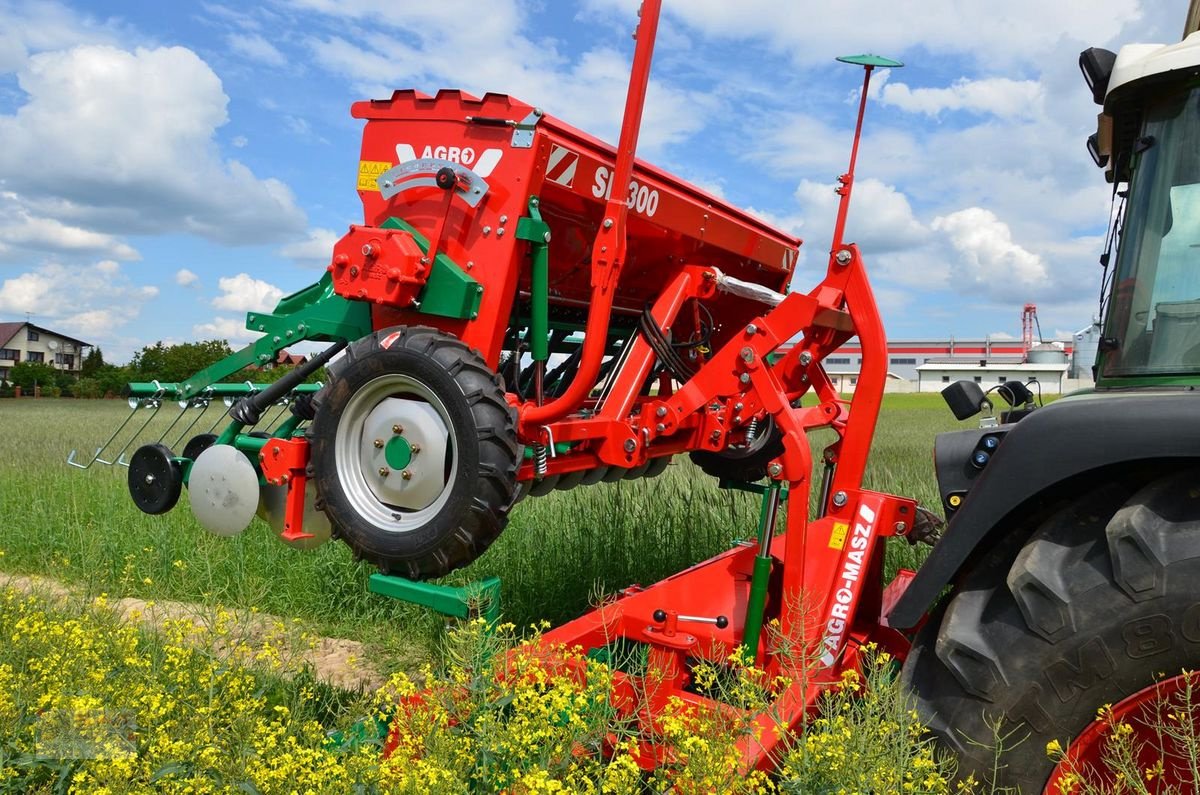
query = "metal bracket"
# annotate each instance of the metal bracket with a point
(422, 173)
(522, 137)
(480, 598)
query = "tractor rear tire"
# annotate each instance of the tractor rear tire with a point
(745, 463)
(1099, 602)
(415, 512)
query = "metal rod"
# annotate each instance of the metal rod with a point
(826, 486)
(249, 410)
(761, 577)
(175, 390)
(157, 404)
(847, 179)
(135, 404)
(608, 250)
(616, 310)
(202, 404)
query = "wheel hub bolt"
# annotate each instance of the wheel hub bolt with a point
(149, 479)
(406, 475)
(379, 442)
(384, 472)
(416, 448)
(397, 428)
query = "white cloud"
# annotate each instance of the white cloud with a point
(22, 233)
(256, 48)
(137, 130)
(881, 219)
(995, 95)
(316, 251)
(93, 323)
(988, 256)
(41, 25)
(78, 298)
(226, 328)
(588, 90)
(811, 32)
(185, 278)
(244, 293)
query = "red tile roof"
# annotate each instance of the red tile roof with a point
(8, 331)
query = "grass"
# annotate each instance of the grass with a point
(557, 553)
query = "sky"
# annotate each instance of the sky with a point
(167, 167)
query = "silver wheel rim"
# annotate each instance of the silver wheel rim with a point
(357, 479)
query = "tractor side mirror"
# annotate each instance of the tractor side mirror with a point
(965, 399)
(1015, 393)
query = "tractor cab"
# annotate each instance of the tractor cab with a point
(1148, 142)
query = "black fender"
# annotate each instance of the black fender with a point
(1050, 452)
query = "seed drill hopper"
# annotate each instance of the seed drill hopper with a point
(526, 308)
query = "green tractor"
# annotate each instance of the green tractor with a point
(1067, 582)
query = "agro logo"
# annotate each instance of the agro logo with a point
(463, 155)
(839, 613)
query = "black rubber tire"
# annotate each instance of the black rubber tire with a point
(743, 463)
(1103, 598)
(481, 423)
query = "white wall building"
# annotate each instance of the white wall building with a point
(935, 376)
(24, 342)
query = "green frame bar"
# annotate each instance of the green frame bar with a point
(455, 601)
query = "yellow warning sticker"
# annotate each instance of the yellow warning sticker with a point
(368, 173)
(837, 539)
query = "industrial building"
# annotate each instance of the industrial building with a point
(929, 365)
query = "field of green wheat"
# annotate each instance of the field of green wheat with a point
(558, 553)
(145, 655)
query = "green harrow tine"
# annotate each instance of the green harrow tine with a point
(154, 401)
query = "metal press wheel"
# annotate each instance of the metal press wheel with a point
(414, 452)
(745, 462)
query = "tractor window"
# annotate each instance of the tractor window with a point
(1154, 305)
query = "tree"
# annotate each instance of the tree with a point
(174, 363)
(27, 375)
(91, 363)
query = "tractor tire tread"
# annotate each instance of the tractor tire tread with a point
(462, 534)
(1043, 629)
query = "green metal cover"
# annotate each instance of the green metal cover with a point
(481, 598)
(871, 60)
(449, 291)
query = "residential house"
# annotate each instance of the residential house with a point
(21, 341)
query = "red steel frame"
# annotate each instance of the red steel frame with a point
(828, 597)
(826, 593)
